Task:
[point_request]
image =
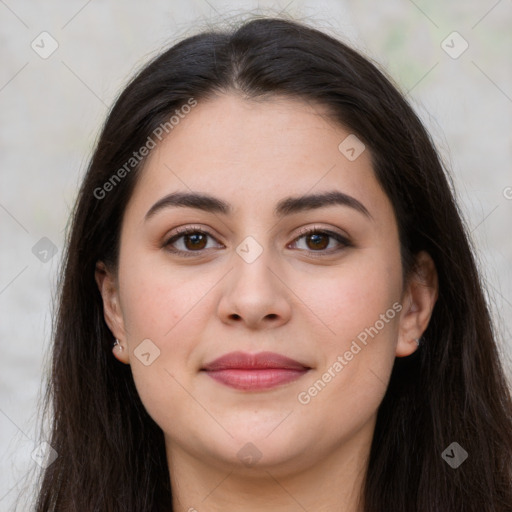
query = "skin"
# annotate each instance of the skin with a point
(290, 300)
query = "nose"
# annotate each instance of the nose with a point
(255, 294)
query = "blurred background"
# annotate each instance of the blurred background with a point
(64, 63)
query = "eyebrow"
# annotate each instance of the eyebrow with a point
(287, 206)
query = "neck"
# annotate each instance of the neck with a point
(328, 482)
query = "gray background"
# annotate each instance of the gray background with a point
(52, 109)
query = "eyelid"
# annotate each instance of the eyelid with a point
(316, 228)
(190, 228)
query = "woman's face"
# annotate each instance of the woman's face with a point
(248, 278)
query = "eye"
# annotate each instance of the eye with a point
(322, 241)
(188, 241)
(192, 241)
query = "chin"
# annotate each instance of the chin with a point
(260, 448)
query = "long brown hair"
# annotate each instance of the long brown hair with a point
(111, 454)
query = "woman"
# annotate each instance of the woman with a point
(269, 301)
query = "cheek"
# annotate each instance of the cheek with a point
(361, 307)
(171, 309)
(158, 301)
(353, 296)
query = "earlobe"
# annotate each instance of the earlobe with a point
(108, 288)
(120, 352)
(419, 298)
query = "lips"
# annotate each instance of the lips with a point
(245, 371)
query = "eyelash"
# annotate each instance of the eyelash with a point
(343, 241)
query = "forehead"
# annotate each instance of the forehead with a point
(249, 152)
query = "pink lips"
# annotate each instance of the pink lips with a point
(244, 371)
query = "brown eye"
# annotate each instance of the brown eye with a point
(319, 241)
(195, 241)
(189, 242)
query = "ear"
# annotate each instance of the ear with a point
(108, 287)
(418, 300)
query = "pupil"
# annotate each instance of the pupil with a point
(318, 238)
(196, 237)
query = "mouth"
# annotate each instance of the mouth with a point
(253, 372)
